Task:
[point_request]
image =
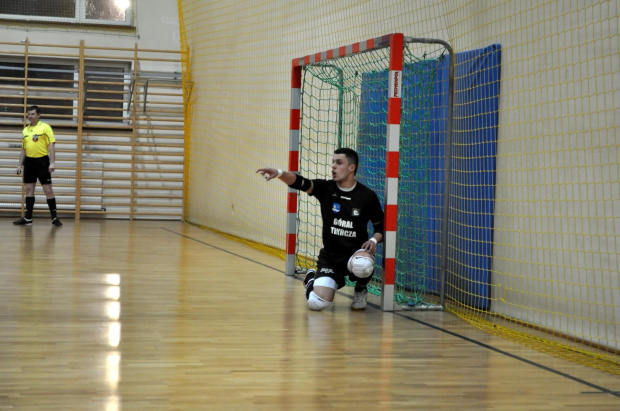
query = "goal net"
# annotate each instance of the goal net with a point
(398, 123)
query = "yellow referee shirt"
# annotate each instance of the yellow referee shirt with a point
(37, 139)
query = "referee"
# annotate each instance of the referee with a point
(37, 158)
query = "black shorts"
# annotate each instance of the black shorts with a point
(37, 168)
(335, 267)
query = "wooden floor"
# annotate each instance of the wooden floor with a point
(110, 315)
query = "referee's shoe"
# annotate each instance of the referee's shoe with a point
(56, 222)
(23, 221)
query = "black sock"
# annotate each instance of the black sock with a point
(29, 207)
(309, 287)
(361, 284)
(51, 203)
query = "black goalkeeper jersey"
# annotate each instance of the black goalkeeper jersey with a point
(346, 215)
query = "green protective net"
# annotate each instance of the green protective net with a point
(344, 104)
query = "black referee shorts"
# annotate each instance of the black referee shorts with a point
(37, 168)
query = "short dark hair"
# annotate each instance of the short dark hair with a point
(351, 156)
(35, 108)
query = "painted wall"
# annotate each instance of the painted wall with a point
(556, 253)
(156, 27)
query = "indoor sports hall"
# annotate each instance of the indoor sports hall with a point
(488, 130)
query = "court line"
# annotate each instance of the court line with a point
(514, 356)
(452, 333)
(222, 249)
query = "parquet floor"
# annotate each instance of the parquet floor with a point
(111, 315)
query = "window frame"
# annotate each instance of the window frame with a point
(80, 19)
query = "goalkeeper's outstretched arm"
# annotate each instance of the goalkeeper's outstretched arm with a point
(292, 180)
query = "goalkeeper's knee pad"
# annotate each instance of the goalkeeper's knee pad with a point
(316, 303)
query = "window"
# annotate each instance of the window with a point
(47, 84)
(53, 85)
(105, 93)
(102, 12)
(106, 10)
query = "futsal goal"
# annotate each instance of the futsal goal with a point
(389, 98)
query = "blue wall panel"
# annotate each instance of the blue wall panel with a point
(474, 140)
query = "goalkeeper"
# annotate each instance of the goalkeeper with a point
(346, 208)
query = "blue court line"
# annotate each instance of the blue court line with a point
(598, 388)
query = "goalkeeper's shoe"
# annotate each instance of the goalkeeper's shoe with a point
(359, 300)
(310, 274)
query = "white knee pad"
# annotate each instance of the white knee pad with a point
(361, 266)
(316, 303)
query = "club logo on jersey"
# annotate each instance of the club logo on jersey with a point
(356, 212)
(326, 271)
(336, 207)
(35, 137)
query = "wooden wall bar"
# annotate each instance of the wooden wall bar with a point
(117, 114)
